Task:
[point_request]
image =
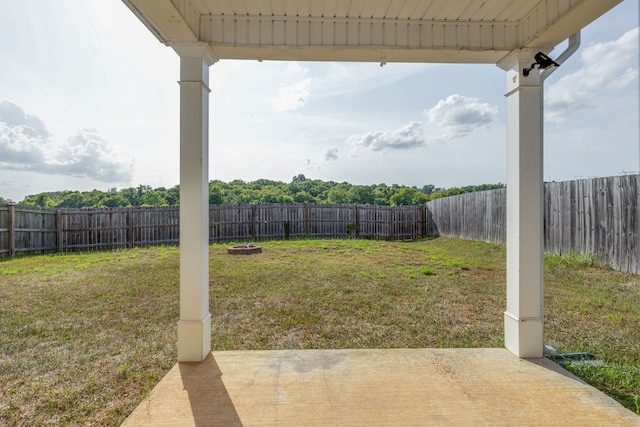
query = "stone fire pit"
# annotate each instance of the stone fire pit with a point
(244, 250)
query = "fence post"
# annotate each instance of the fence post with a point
(306, 220)
(254, 223)
(59, 231)
(12, 231)
(392, 221)
(130, 226)
(357, 220)
(423, 221)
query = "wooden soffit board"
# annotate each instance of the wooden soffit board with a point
(443, 31)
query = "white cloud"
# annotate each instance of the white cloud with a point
(293, 96)
(24, 138)
(330, 154)
(15, 117)
(18, 147)
(609, 65)
(458, 116)
(88, 154)
(454, 117)
(25, 145)
(404, 138)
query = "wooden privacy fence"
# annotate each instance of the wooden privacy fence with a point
(91, 229)
(277, 221)
(476, 216)
(599, 216)
(28, 229)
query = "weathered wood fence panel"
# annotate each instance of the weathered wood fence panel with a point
(28, 229)
(6, 230)
(598, 216)
(91, 229)
(35, 230)
(330, 221)
(476, 216)
(230, 222)
(155, 226)
(375, 222)
(408, 222)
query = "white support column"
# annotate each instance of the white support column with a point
(194, 327)
(524, 317)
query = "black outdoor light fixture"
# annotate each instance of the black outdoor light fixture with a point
(542, 61)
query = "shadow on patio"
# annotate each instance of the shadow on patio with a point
(375, 387)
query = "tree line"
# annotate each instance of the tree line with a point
(300, 189)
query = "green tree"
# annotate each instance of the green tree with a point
(131, 196)
(271, 193)
(216, 193)
(152, 198)
(268, 197)
(297, 184)
(428, 189)
(303, 196)
(298, 178)
(143, 189)
(362, 194)
(172, 195)
(408, 196)
(482, 187)
(381, 195)
(300, 189)
(92, 198)
(285, 198)
(44, 200)
(112, 201)
(453, 191)
(338, 194)
(317, 188)
(72, 200)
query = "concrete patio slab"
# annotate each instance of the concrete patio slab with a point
(404, 387)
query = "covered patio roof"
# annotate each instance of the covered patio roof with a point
(437, 31)
(509, 33)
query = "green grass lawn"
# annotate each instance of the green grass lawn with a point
(84, 337)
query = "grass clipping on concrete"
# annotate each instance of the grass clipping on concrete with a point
(84, 337)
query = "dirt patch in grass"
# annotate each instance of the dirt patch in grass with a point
(84, 337)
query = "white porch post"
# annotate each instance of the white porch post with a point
(194, 327)
(524, 316)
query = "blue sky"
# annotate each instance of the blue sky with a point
(89, 99)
